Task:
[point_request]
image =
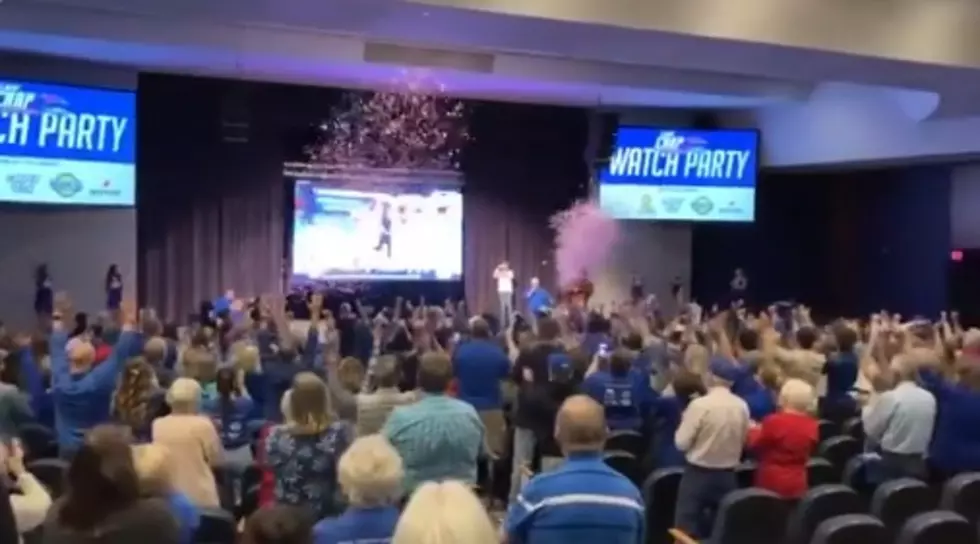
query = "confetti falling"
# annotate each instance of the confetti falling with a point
(414, 125)
(584, 238)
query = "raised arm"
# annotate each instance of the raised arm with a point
(58, 341)
(106, 373)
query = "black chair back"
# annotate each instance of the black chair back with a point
(839, 450)
(51, 473)
(961, 494)
(39, 441)
(855, 429)
(625, 464)
(937, 527)
(850, 529)
(819, 472)
(745, 474)
(660, 495)
(818, 505)
(630, 442)
(828, 429)
(895, 501)
(217, 527)
(750, 516)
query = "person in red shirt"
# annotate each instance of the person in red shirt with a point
(783, 442)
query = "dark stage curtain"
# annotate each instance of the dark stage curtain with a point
(845, 243)
(524, 164)
(211, 195)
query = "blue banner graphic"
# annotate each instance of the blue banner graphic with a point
(66, 145)
(686, 175)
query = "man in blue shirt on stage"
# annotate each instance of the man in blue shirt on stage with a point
(539, 301)
(582, 500)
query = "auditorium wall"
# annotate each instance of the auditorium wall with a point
(77, 243)
(657, 252)
(963, 206)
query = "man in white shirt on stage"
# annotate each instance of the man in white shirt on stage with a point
(505, 291)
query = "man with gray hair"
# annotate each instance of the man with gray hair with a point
(900, 421)
(372, 408)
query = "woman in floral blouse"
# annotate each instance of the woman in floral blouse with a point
(303, 452)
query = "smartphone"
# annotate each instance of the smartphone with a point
(603, 350)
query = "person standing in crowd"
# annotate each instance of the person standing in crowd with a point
(624, 393)
(563, 382)
(783, 442)
(480, 366)
(371, 409)
(677, 291)
(230, 411)
(531, 374)
(370, 474)
(636, 289)
(505, 291)
(955, 446)
(686, 386)
(43, 293)
(192, 443)
(82, 392)
(438, 437)
(442, 513)
(539, 301)
(102, 503)
(278, 524)
(113, 288)
(155, 471)
(30, 505)
(582, 500)
(900, 421)
(711, 434)
(842, 366)
(739, 285)
(303, 453)
(138, 399)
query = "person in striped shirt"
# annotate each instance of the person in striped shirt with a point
(583, 499)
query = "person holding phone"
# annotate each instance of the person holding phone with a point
(29, 501)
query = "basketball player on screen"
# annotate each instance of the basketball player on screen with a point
(384, 236)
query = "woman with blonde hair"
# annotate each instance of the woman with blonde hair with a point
(154, 471)
(784, 441)
(138, 399)
(444, 513)
(192, 443)
(370, 474)
(303, 452)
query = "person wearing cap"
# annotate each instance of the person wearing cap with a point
(562, 384)
(711, 434)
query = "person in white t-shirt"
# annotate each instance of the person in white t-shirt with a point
(505, 290)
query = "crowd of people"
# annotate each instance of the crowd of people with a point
(423, 424)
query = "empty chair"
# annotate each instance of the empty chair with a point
(839, 450)
(745, 474)
(660, 495)
(896, 501)
(937, 527)
(39, 441)
(51, 473)
(828, 429)
(850, 529)
(961, 494)
(818, 505)
(217, 527)
(750, 516)
(819, 472)
(630, 442)
(624, 463)
(856, 476)
(855, 429)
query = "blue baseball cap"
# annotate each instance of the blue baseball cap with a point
(724, 368)
(559, 363)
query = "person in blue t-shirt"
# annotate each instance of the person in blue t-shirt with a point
(625, 394)
(370, 473)
(230, 411)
